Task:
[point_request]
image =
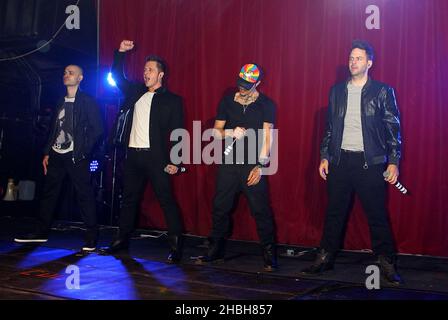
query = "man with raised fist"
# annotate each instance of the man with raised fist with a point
(150, 114)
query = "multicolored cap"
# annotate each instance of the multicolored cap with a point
(249, 75)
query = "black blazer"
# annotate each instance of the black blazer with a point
(166, 112)
(88, 126)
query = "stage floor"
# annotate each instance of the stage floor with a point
(30, 272)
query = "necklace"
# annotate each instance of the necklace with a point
(245, 101)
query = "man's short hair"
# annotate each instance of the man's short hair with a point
(81, 71)
(363, 45)
(161, 64)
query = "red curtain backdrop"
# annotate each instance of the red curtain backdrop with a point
(303, 47)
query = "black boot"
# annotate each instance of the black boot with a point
(176, 245)
(324, 261)
(38, 235)
(270, 257)
(90, 240)
(119, 243)
(388, 269)
(215, 252)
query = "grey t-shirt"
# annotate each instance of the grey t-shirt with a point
(352, 137)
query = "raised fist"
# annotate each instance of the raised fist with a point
(126, 45)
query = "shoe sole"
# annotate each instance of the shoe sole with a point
(315, 274)
(173, 261)
(108, 252)
(205, 263)
(30, 241)
(270, 269)
(391, 283)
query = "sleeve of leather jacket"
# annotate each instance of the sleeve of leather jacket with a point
(391, 121)
(96, 126)
(176, 121)
(324, 152)
(50, 139)
(117, 71)
(52, 132)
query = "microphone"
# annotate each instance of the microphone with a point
(230, 147)
(398, 185)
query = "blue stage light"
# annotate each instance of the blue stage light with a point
(111, 80)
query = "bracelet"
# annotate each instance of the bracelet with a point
(262, 165)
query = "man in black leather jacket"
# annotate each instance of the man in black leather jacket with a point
(361, 140)
(76, 128)
(151, 113)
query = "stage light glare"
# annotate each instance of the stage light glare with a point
(111, 80)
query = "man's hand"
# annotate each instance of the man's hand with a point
(254, 176)
(126, 45)
(323, 169)
(238, 133)
(392, 178)
(45, 164)
(171, 169)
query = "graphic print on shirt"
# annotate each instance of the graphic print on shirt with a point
(64, 137)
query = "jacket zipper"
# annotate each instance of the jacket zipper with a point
(73, 127)
(365, 166)
(124, 124)
(342, 134)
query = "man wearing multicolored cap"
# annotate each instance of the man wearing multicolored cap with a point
(240, 119)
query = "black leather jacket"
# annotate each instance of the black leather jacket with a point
(380, 120)
(88, 126)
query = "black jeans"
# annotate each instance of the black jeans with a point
(138, 168)
(370, 186)
(60, 165)
(230, 180)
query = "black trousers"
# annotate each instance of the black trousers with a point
(60, 165)
(230, 180)
(370, 186)
(139, 167)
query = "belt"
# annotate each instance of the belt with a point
(351, 151)
(139, 149)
